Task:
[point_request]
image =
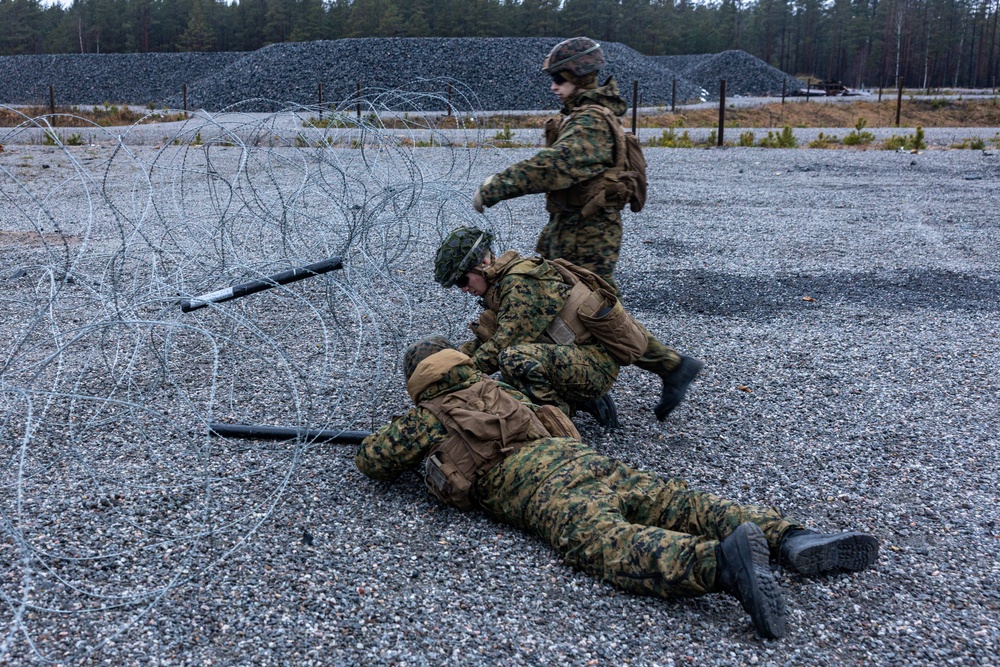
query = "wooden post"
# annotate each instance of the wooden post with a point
(673, 96)
(899, 100)
(320, 92)
(449, 99)
(722, 110)
(635, 104)
(784, 86)
(809, 85)
(359, 100)
(184, 88)
(52, 99)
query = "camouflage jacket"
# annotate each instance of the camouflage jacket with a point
(584, 149)
(507, 488)
(527, 296)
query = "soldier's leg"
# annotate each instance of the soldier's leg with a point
(558, 375)
(675, 371)
(584, 519)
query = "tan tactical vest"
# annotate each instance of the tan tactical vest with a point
(621, 184)
(592, 310)
(485, 425)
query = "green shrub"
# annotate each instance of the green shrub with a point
(824, 141)
(51, 138)
(670, 139)
(917, 142)
(784, 139)
(973, 143)
(859, 135)
(746, 139)
(894, 143)
(713, 138)
(74, 140)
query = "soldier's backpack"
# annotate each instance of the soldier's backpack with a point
(624, 183)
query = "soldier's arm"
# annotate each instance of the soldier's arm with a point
(400, 445)
(526, 309)
(582, 151)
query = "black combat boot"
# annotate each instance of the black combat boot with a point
(675, 385)
(603, 410)
(744, 572)
(809, 552)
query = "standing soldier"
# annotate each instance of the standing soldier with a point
(572, 168)
(478, 443)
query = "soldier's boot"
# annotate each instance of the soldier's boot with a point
(744, 572)
(808, 552)
(602, 409)
(675, 386)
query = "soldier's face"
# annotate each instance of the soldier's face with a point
(564, 90)
(475, 284)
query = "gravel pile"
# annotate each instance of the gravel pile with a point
(745, 74)
(851, 354)
(485, 74)
(129, 78)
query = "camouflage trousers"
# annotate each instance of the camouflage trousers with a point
(594, 243)
(640, 532)
(558, 375)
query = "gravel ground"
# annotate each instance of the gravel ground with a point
(844, 303)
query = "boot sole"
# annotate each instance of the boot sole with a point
(686, 373)
(848, 552)
(761, 597)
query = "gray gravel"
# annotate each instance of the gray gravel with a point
(845, 304)
(484, 74)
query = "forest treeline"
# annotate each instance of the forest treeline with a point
(925, 43)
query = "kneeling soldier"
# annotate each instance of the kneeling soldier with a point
(554, 331)
(479, 443)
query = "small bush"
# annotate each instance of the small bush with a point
(746, 139)
(670, 139)
(74, 140)
(824, 141)
(894, 143)
(859, 135)
(784, 139)
(50, 138)
(505, 135)
(917, 142)
(973, 143)
(713, 138)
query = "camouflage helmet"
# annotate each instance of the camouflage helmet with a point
(579, 56)
(463, 249)
(422, 349)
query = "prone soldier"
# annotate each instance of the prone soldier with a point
(580, 171)
(480, 443)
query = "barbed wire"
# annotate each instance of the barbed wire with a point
(112, 491)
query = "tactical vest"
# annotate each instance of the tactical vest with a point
(485, 424)
(592, 310)
(623, 183)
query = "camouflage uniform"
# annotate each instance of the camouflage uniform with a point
(630, 528)
(583, 150)
(526, 297)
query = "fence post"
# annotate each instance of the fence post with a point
(449, 100)
(359, 100)
(184, 88)
(899, 100)
(722, 110)
(635, 104)
(52, 99)
(320, 92)
(784, 86)
(673, 96)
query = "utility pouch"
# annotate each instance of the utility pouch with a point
(557, 423)
(551, 130)
(446, 483)
(615, 329)
(485, 326)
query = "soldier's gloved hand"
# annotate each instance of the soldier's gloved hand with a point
(477, 201)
